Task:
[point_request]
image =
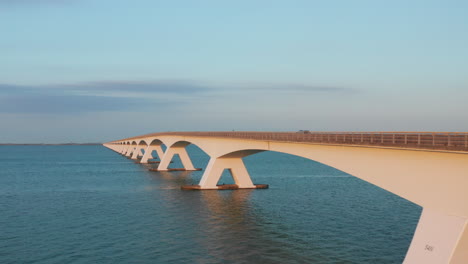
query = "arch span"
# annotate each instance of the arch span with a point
(150, 145)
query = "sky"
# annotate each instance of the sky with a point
(96, 71)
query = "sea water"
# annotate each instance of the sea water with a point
(87, 204)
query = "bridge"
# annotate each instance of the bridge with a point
(427, 168)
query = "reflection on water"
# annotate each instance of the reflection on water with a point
(62, 206)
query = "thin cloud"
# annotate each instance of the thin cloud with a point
(67, 104)
(304, 88)
(162, 87)
(12, 89)
(66, 99)
(166, 87)
(128, 95)
(175, 87)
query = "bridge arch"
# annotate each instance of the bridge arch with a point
(180, 144)
(177, 146)
(142, 142)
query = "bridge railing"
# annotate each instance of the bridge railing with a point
(423, 140)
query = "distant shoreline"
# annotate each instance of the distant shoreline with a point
(47, 144)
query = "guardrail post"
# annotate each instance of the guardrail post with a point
(381, 135)
(419, 139)
(448, 140)
(466, 141)
(393, 138)
(433, 139)
(362, 137)
(406, 139)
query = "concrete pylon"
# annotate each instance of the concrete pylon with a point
(148, 153)
(439, 238)
(215, 169)
(135, 152)
(115, 148)
(124, 152)
(130, 151)
(124, 149)
(170, 152)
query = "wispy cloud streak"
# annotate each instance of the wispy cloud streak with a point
(174, 87)
(114, 95)
(303, 88)
(83, 98)
(161, 87)
(67, 104)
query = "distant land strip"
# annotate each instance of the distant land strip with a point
(49, 144)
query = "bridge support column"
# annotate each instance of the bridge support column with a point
(130, 151)
(148, 153)
(124, 150)
(439, 238)
(116, 148)
(127, 149)
(136, 153)
(215, 169)
(184, 157)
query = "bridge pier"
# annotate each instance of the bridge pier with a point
(127, 149)
(148, 153)
(439, 238)
(122, 149)
(216, 167)
(169, 154)
(136, 152)
(115, 148)
(130, 150)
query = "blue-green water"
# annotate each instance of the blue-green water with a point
(87, 204)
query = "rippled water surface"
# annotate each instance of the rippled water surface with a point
(87, 204)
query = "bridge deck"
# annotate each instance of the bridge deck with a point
(448, 141)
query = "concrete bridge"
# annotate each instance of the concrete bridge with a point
(427, 168)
